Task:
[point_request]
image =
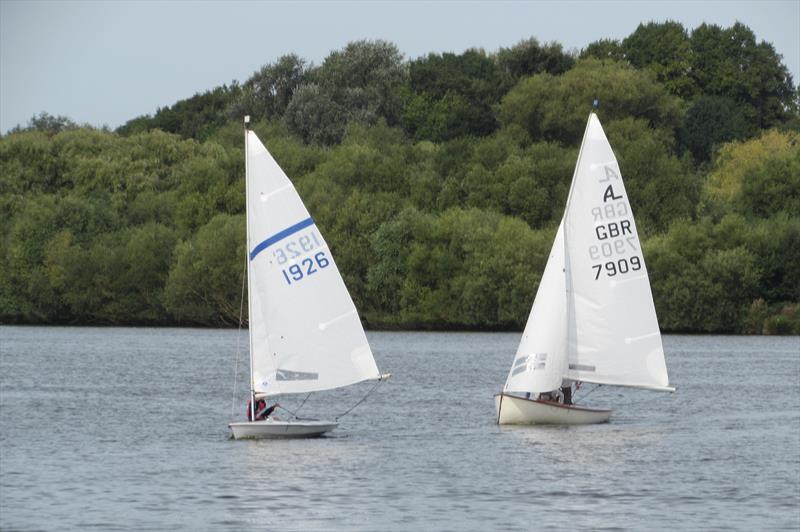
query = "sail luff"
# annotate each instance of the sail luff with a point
(571, 328)
(249, 274)
(575, 172)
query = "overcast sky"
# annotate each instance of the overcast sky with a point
(105, 62)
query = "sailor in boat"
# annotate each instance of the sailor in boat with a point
(562, 395)
(566, 392)
(262, 410)
(554, 396)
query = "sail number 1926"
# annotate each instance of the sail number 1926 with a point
(614, 267)
(305, 267)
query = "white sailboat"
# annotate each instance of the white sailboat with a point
(305, 333)
(593, 318)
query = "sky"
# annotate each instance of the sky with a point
(106, 62)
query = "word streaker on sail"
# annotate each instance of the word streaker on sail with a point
(593, 318)
(305, 332)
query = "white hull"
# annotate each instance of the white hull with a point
(513, 410)
(280, 429)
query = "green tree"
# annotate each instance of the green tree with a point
(28, 165)
(710, 122)
(205, 281)
(363, 78)
(267, 93)
(205, 190)
(452, 95)
(117, 278)
(703, 276)
(555, 108)
(528, 57)
(357, 84)
(604, 49)
(26, 293)
(315, 117)
(196, 117)
(772, 187)
(470, 268)
(749, 176)
(391, 246)
(775, 242)
(665, 49)
(46, 123)
(729, 63)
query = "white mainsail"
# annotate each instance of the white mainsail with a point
(593, 317)
(614, 336)
(305, 332)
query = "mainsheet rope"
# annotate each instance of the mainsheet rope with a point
(587, 394)
(298, 408)
(361, 401)
(294, 414)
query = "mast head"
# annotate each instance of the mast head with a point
(595, 104)
(246, 121)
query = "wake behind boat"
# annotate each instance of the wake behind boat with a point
(593, 318)
(305, 333)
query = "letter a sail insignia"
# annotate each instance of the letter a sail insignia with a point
(610, 194)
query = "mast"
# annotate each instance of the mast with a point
(567, 264)
(247, 261)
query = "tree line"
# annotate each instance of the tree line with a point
(438, 183)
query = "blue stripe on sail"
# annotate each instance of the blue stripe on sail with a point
(277, 237)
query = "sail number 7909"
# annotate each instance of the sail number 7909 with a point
(614, 267)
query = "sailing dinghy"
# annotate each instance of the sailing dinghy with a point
(305, 333)
(593, 319)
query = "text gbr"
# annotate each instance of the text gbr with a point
(614, 238)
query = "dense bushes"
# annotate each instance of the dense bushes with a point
(438, 184)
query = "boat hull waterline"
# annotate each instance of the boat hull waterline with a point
(513, 410)
(270, 429)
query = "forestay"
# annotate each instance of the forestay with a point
(306, 334)
(613, 331)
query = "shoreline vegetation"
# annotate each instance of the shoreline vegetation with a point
(437, 181)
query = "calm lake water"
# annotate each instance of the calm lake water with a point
(126, 428)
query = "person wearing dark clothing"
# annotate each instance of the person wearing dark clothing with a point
(266, 412)
(262, 411)
(548, 396)
(260, 405)
(567, 391)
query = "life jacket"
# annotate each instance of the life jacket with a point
(260, 405)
